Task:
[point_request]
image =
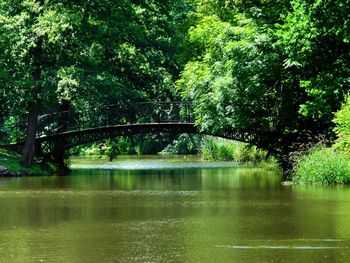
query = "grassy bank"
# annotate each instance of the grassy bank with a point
(328, 165)
(207, 147)
(140, 145)
(228, 150)
(12, 162)
(322, 166)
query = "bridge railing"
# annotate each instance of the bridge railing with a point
(101, 116)
(149, 112)
(117, 114)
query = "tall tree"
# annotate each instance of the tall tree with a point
(88, 52)
(235, 74)
(316, 42)
(268, 66)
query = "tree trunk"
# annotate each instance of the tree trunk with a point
(34, 106)
(59, 146)
(29, 146)
(28, 151)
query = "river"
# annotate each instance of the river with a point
(171, 209)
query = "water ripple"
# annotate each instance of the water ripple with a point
(154, 165)
(278, 247)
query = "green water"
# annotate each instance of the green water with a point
(171, 210)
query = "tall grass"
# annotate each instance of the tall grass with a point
(328, 165)
(324, 166)
(227, 150)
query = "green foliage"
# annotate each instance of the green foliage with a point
(322, 165)
(227, 150)
(266, 11)
(217, 150)
(277, 69)
(342, 129)
(137, 144)
(235, 76)
(184, 144)
(315, 40)
(93, 52)
(328, 165)
(268, 67)
(12, 162)
(148, 144)
(11, 131)
(110, 148)
(225, 93)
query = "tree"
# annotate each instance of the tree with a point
(268, 66)
(235, 75)
(315, 40)
(87, 52)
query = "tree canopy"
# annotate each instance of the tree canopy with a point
(92, 51)
(268, 66)
(277, 69)
(87, 52)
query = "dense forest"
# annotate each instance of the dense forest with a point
(277, 69)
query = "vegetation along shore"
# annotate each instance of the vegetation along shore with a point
(272, 74)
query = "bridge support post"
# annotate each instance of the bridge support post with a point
(59, 156)
(58, 153)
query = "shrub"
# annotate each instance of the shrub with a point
(322, 165)
(12, 161)
(208, 149)
(248, 153)
(183, 144)
(228, 150)
(342, 129)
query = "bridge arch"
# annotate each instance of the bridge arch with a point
(63, 141)
(71, 139)
(61, 131)
(74, 138)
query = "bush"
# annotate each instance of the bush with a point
(183, 144)
(12, 161)
(227, 150)
(322, 165)
(248, 153)
(342, 129)
(208, 149)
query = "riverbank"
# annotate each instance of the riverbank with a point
(207, 147)
(10, 166)
(327, 162)
(219, 149)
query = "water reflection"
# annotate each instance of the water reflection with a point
(222, 214)
(178, 179)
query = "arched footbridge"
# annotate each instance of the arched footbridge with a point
(65, 129)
